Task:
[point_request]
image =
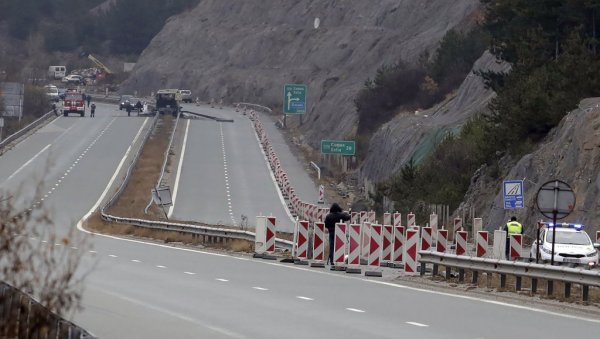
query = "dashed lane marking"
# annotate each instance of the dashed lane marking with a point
(355, 310)
(189, 273)
(260, 288)
(416, 324)
(222, 280)
(135, 260)
(304, 298)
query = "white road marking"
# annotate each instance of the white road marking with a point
(93, 252)
(44, 241)
(161, 266)
(112, 256)
(189, 273)
(57, 244)
(135, 260)
(27, 163)
(304, 298)
(260, 288)
(74, 248)
(416, 324)
(355, 310)
(221, 279)
(179, 166)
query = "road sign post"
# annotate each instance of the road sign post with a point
(513, 194)
(556, 200)
(294, 99)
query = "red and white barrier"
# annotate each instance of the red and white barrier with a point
(321, 194)
(442, 241)
(516, 246)
(321, 214)
(319, 242)
(426, 238)
(482, 243)
(598, 236)
(271, 231)
(372, 217)
(410, 254)
(354, 218)
(354, 249)
(364, 217)
(302, 240)
(260, 235)
(433, 221)
(461, 242)
(477, 225)
(458, 224)
(339, 244)
(387, 241)
(365, 238)
(397, 219)
(374, 251)
(387, 219)
(398, 246)
(410, 220)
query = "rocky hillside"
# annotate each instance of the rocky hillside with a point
(570, 153)
(247, 50)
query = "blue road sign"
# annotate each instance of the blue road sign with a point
(513, 194)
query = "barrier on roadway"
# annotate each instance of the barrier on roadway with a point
(410, 254)
(398, 252)
(397, 219)
(321, 194)
(365, 238)
(354, 218)
(477, 225)
(442, 241)
(458, 225)
(354, 249)
(461, 242)
(318, 245)
(598, 236)
(387, 219)
(339, 244)
(499, 244)
(374, 259)
(426, 238)
(516, 246)
(433, 221)
(302, 241)
(372, 217)
(482, 243)
(410, 220)
(387, 242)
(363, 217)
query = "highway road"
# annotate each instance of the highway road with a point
(139, 289)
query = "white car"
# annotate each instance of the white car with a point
(52, 93)
(73, 79)
(572, 245)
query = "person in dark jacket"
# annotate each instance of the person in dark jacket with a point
(336, 214)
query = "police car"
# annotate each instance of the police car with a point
(572, 244)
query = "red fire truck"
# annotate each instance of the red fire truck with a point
(74, 103)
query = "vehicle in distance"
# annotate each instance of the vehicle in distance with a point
(57, 72)
(73, 79)
(186, 95)
(62, 92)
(125, 99)
(167, 101)
(52, 93)
(572, 244)
(73, 103)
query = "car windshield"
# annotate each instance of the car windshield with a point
(125, 97)
(570, 238)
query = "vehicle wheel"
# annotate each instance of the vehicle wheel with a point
(65, 113)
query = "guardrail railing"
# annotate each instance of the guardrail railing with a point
(567, 275)
(24, 130)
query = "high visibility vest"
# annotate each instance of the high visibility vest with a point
(514, 227)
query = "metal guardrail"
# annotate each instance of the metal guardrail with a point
(208, 116)
(254, 106)
(568, 275)
(171, 226)
(24, 130)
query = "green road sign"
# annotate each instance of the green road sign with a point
(294, 99)
(338, 147)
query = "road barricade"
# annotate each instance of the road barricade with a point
(433, 222)
(372, 217)
(387, 219)
(302, 243)
(598, 236)
(499, 246)
(458, 225)
(321, 194)
(318, 245)
(442, 241)
(397, 260)
(397, 219)
(461, 242)
(339, 253)
(374, 260)
(365, 238)
(354, 249)
(410, 253)
(264, 241)
(410, 220)
(426, 238)
(354, 218)
(482, 243)
(386, 247)
(516, 246)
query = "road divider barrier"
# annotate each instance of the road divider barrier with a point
(363, 217)
(302, 243)
(374, 259)
(365, 239)
(387, 219)
(387, 244)
(458, 225)
(372, 217)
(461, 242)
(397, 219)
(354, 218)
(516, 246)
(442, 241)
(397, 260)
(318, 245)
(499, 244)
(410, 220)
(354, 231)
(339, 254)
(426, 238)
(433, 221)
(482, 243)
(410, 254)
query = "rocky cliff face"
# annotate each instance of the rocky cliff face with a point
(247, 50)
(570, 153)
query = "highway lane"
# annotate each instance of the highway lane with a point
(226, 174)
(140, 290)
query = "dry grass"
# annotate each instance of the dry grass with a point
(491, 281)
(136, 195)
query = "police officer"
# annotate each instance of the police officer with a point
(128, 108)
(93, 110)
(511, 227)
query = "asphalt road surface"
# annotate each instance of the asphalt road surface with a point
(142, 290)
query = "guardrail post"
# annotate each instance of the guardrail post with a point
(518, 283)
(567, 289)
(550, 287)
(534, 283)
(448, 272)
(585, 293)
(422, 268)
(475, 277)
(502, 280)
(461, 274)
(434, 272)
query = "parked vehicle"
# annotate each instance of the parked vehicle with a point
(125, 99)
(57, 72)
(167, 101)
(74, 103)
(572, 244)
(52, 93)
(73, 79)
(186, 95)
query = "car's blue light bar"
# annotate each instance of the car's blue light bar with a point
(577, 227)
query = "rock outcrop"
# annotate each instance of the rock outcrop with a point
(247, 50)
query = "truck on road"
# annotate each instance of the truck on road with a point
(74, 103)
(167, 101)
